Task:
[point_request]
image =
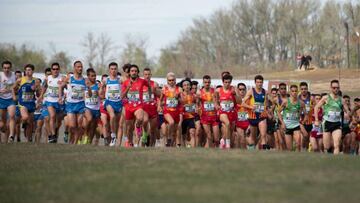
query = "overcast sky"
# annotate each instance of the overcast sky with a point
(66, 22)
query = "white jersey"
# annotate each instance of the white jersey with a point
(76, 90)
(52, 91)
(113, 90)
(92, 102)
(7, 84)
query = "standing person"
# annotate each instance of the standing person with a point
(50, 94)
(333, 106)
(132, 90)
(227, 99)
(7, 104)
(316, 135)
(151, 115)
(113, 104)
(92, 107)
(75, 106)
(306, 124)
(257, 97)
(242, 123)
(208, 116)
(26, 88)
(292, 108)
(298, 61)
(188, 103)
(169, 105)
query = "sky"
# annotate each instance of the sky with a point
(66, 22)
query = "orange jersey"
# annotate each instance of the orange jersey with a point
(170, 99)
(242, 113)
(189, 105)
(207, 102)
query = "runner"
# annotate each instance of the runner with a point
(50, 94)
(188, 102)
(316, 135)
(18, 74)
(346, 131)
(7, 104)
(92, 110)
(292, 108)
(257, 97)
(38, 117)
(333, 106)
(132, 90)
(306, 124)
(227, 98)
(242, 123)
(26, 88)
(150, 107)
(112, 89)
(75, 106)
(169, 105)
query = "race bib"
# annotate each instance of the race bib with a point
(190, 108)
(209, 106)
(53, 92)
(171, 102)
(133, 96)
(27, 96)
(259, 107)
(148, 98)
(113, 93)
(307, 108)
(92, 101)
(227, 106)
(242, 116)
(292, 116)
(77, 92)
(334, 115)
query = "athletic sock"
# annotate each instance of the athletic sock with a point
(227, 143)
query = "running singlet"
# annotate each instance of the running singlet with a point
(170, 99)
(135, 93)
(149, 99)
(258, 100)
(308, 109)
(189, 105)
(207, 102)
(76, 90)
(52, 91)
(93, 102)
(7, 84)
(227, 100)
(27, 91)
(332, 109)
(242, 113)
(292, 115)
(113, 90)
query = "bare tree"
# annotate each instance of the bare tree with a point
(90, 47)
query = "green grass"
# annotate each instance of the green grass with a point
(63, 173)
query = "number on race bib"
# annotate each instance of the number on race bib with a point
(227, 106)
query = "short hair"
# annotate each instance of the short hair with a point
(90, 70)
(207, 77)
(241, 84)
(334, 81)
(47, 70)
(39, 80)
(227, 77)
(29, 66)
(126, 66)
(225, 73)
(357, 99)
(194, 82)
(293, 86)
(18, 72)
(259, 77)
(55, 64)
(147, 69)
(274, 89)
(6, 62)
(170, 74)
(113, 64)
(303, 84)
(134, 66)
(104, 76)
(77, 62)
(346, 96)
(118, 73)
(185, 81)
(323, 94)
(282, 84)
(218, 86)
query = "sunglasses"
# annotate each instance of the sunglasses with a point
(241, 89)
(172, 80)
(335, 88)
(55, 69)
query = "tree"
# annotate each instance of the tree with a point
(90, 47)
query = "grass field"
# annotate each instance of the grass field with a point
(64, 173)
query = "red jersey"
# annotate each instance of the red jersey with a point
(135, 93)
(149, 99)
(227, 100)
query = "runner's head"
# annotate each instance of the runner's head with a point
(282, 89)
(225, 73)
(55, 69)
(91, 74)
(134, 71)
(317, 98)
(147, 73)
(304, 88)
(171, 79)
(18, 74)
(206, 81)
(347, 100)
(227, 79)
(78, 67)
(113, 69)
(194, 86)
(186, 85)
(357, 101)
(335, 87)
(259, 81)
(47, 71)
(29, 69)
(274, 92)
(6, 66)
(126, 69)
(293, 91)
(242, 88)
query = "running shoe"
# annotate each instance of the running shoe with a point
(11, 139)
(222, 144)
(144, 138)
(113, 141)
(66, 137)
(51, 139)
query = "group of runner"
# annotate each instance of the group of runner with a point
(143, 113)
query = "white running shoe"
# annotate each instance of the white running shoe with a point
(113, 142)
